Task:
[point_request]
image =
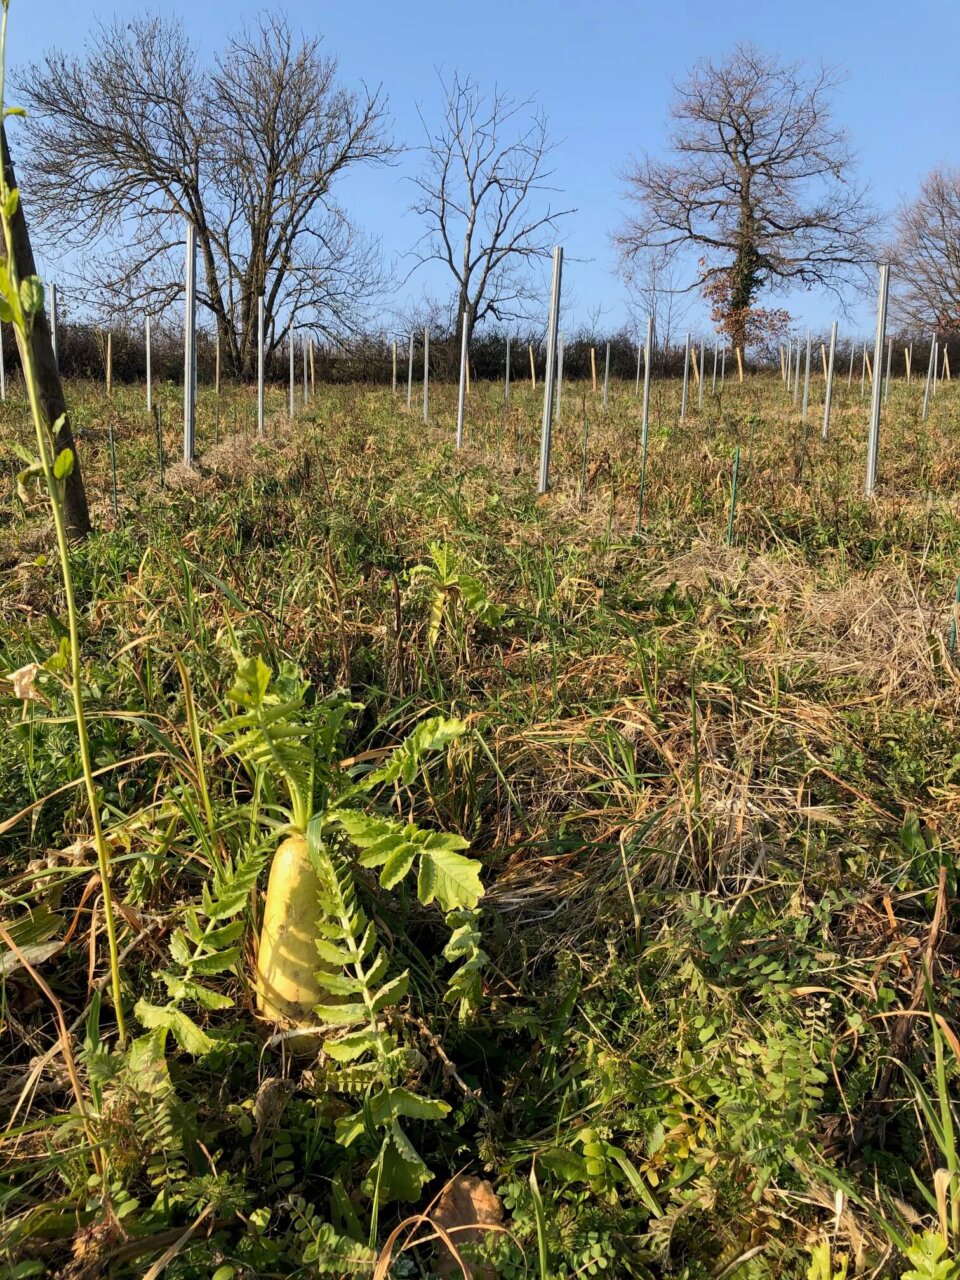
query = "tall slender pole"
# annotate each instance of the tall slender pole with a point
(548, 386)
(713, 387)
(723, 365)
(313, 373)
(796, 376)
(506, 373)
(410, 376)
(393, 380)
(930, 367)
(53, 324)
(806, 384)
(639, 358)
(645, 419)
(686, 379)
(147, 338)
(789, 358)
(293, 374)
(461, 394)
(426, 375)
(828, 393)
(873, 444)
(110, 364)
(190, 349)
(260, 370)
(303, 353)
(216, 368)
(700, 380)
(886, 384)
(850, 370)
(606, 380)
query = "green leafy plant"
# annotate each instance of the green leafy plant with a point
(278, 736)
(455, 597)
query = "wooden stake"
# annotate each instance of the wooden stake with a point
(740, 363)
(907, 354)
(533, 368)
(696, 365)
(946, 362)
(467, 372)
(823, 357)
(109, 363)
(593, 368)
(869, 365)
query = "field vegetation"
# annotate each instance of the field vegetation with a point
(674, 969)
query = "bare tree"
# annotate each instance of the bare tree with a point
(926, 251)
(137, 136)
(760, 187)
(479, 194)
(653, 281)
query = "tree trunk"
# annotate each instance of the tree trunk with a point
(744, 280)
(52, 403)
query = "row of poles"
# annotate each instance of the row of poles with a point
(554, 371)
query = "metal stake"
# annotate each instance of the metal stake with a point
(426, 375)
(645, 420)
(260, 365)
(930, 368)
(552, 329)
(686, 379)
(873, 444)
(806, 384)
(606, 380)
(53, 324)
(293, 375)
(190, 349)
(149, 366)
(461, 395)
(828, 393)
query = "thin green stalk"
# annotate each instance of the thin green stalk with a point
(22, 323)
(733, 496)
(952, 642)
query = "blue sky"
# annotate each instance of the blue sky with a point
(603, 73)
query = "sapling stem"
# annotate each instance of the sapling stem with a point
(22, 323)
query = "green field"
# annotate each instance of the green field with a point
(710, 769)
